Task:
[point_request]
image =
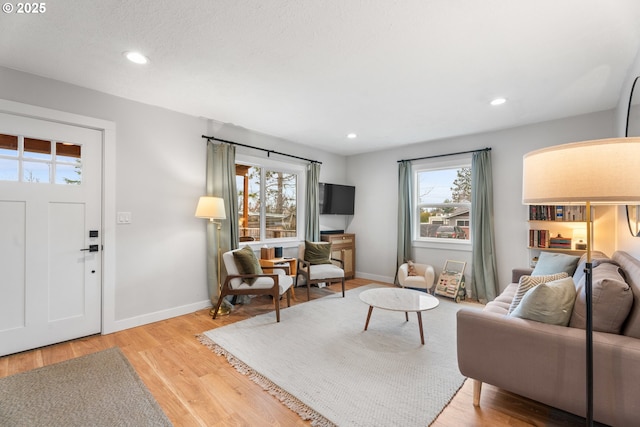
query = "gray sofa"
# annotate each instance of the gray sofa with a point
(546, 362)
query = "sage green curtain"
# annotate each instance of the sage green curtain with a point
(483, 258)
(405, 213)
(312, 219)
(221, 182)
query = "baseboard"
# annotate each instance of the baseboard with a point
(375, 277)
(132, 322)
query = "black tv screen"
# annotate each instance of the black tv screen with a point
(336, 199)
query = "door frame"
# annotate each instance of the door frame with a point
(108, 180)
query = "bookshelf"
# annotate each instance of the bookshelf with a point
(554, 228)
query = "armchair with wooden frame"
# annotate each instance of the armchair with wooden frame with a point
(325, 272)
(275, 283)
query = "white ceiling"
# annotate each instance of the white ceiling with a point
(393, 71)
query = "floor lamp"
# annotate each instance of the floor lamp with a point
(602, 172)
(212, 208)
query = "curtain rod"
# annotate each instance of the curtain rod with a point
(446, 155)
(269, 152)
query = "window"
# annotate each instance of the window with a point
(268, 200)
(443, 200)
(24, 159)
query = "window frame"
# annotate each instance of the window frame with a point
(279, 166)
(427, 165)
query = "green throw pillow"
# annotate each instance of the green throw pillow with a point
(317, 253)
(247, 263)
(550, 302)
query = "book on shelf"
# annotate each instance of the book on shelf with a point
(557, 213)
(539, 238)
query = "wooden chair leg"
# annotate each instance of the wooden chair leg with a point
(343, 287)
(289, 297)
(276, 300)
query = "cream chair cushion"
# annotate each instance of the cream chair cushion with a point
(284, 281)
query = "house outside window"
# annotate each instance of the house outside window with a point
(269, 195)
(443, 200)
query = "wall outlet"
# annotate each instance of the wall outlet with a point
(123, 218)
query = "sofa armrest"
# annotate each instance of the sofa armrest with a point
(516, 273)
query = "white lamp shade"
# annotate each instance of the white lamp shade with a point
(605, 171)
(211, 208)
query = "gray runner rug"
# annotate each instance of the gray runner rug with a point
(321, 363)
(100, 389)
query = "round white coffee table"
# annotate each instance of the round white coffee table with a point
(399, 299)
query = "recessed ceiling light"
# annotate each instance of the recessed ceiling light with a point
(352, 136)
(498, 101)
(136, 57)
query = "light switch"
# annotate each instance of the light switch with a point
(123, 218)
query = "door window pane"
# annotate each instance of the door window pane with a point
(68, 163)
(67, 152)
(8, 145)
(8, 157)
(68, 174)
(36, 172)
(37, 149)
(8, 170)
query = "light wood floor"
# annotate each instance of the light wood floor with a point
(195, 387)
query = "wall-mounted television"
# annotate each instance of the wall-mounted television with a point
(336, 199)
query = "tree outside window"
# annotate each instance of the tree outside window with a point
(267, 203)
(444, 203)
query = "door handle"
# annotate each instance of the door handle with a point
(91, 248)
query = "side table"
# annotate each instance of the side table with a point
(270, 264)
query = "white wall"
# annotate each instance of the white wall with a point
(375, 176)
(160, 268)
(625, 241)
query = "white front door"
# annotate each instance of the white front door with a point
(50, 232)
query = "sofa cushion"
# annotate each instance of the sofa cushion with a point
(631, 268)
(500, 305)
(550, 302)
(611, 300)
(597, 258)
(528, 282)
(551, 263)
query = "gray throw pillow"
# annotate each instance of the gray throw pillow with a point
(552, 263)
(247, 263)
(550, 302)
(528, 282)
(611, 300)
(317, 253)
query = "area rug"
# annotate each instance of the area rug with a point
(321, 363)
(100, 389)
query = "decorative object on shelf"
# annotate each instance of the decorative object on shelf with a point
(560, 242)
(580, 236)
(581, 173)
(212, 208)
